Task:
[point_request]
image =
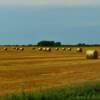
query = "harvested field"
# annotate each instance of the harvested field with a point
(34, 70)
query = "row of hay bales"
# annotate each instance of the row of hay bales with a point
(63, 49)
(49, 49)
(90, 54)
(40, 49)
(20, 49)
(44, 49)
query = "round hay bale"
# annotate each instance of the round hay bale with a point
(48, 49)
(44, 49)
(79, 50)
(40, 49)
(91, 54)
(5, 49)
(69, 49)
(17, 49)
(57, 49)
(21, 49)
(63, 49)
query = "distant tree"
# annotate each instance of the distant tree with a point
(81, 44)
(48, 43)
(58, 44)
(29, 45)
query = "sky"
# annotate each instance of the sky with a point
(68, 21)
(49, 2)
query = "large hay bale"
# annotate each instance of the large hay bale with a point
(91, 54)
(48, 49)
(69, 49)
(79, 50)
(5, 49)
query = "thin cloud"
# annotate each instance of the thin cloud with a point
(49, 2)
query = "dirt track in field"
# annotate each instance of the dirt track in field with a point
(32, 70)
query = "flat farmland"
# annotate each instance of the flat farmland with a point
(34, 70)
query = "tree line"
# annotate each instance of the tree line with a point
(46, 43)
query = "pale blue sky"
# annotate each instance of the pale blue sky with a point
(68, 21)
(39, 3)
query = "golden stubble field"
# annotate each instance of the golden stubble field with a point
(33, 70)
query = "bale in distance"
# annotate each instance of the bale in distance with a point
(5, 49)
(63, 49)
(91, 54)
(79, 50)
(48, 49)
(21, 49)
(17, 49)
(69, 49)
(40, 49)
(44, 49)
(57, 49)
